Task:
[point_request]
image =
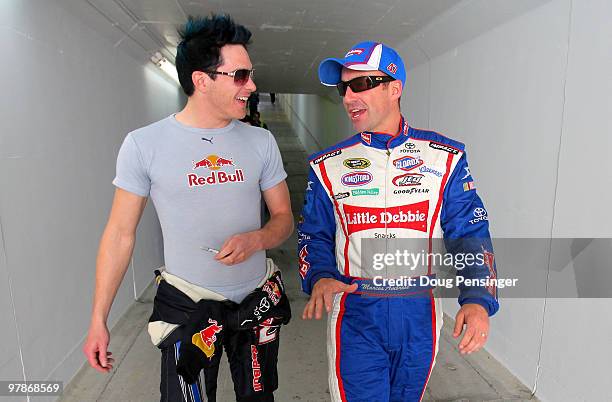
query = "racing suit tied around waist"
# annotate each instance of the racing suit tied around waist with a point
(199, 317)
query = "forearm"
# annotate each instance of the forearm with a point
(111, 264)
(276, 230)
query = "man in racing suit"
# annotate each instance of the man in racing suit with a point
(389, 181)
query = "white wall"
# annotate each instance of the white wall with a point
(318, 121)
(532, 98)
(574, 330)
(502, 94)
(68, 99)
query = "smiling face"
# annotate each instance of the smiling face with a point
(375, 109)
(229, 98)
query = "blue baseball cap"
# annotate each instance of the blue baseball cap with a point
(364, 56)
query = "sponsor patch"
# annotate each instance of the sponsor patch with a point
(214, 164)
(392, 68)
(355, 179)
(340, 196)
(214, 178)
(273, 291)
(365, 191)
(357, 163)
(427, 169)
(407, 179)
(302, 237)
(367, 138)
(264, 306)
(409, 151)
(256, 369)
(407, 163)
(304, 265)
(469, 185)
(412, 216)
(412, 190)
(267, 331)
(326, 156)
(353, 52)
(480, 214)
(442, 147)
(206, 338)
(489, 260)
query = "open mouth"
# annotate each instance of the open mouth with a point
(242, 99)
(356, 113)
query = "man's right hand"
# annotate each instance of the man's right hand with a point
(322, 294)
(113, 259)
(95, 348)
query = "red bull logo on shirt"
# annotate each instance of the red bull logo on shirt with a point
(214, 163)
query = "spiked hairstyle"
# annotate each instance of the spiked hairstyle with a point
(201, 43)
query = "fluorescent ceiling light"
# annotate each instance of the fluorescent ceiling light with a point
(170, 69)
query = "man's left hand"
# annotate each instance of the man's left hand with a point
(238, 248)
(476, 320)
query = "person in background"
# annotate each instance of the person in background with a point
(253, 103)
(257, 122)
(247, 119)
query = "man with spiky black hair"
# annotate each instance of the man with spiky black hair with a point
(205, 172)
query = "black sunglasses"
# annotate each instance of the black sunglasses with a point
(363, 83)
(241, 76)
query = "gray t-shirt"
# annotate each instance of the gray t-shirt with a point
(206, 186)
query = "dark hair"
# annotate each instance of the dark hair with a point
(201, 42)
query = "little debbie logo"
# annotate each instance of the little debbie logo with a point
(412, 216)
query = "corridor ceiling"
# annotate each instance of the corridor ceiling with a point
(290, 37)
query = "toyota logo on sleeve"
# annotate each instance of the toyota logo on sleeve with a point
(480, 214)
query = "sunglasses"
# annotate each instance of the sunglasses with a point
(241, 76)
(363, 83)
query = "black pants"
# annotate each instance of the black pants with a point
(252, 356)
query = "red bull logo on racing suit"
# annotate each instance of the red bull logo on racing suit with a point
(273, 291)
(256, 369)
(206, 338)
